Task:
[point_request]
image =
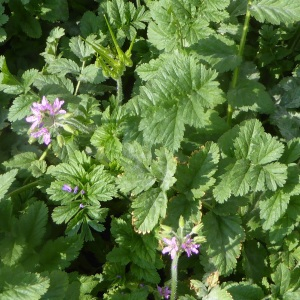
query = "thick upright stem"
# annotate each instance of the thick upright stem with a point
(240, 54)
(174, 275)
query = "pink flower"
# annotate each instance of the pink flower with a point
(45, 118)
(164, 292)
(42, 132)
(172, 247)
(189, 246)
(55, 108)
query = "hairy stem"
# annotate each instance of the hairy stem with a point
(45, 153)
(174, 274)
(23, 188)
(78, 83)
(119, 91)
(240, 54)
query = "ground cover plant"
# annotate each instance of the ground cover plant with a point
(149, 149)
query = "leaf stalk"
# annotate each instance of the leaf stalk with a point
(23, 188)
(240, 54)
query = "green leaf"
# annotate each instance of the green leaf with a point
(38, 168)
(107, 137)
(6, 180)
(91, 74)
(222, 247)
(21, 107)
(254, 168)
(11, 251)
(64, 213)
(119, 255)
(58, 254)
(9, 83)
(88, 283)
(163, 126)
(32, 225)
(245, 291)
(80, 49)
(197, 175)
(177, 24)
(281, 278)
(63, 66)
(275, 11)
(148, 274)
(58, 286)
(284, 226)
(266, 149)
(247, 136)
(275, 175)
(254, 259)
(124, 16)
(251, 95)
(148, 70)
(219, 52)
(21, 160)
(90, 24)
(137, 176)
(217, 293)
(17, 284)
(273, 207)
(164, 168)
(28, 78)
(3, 17)
(31, 26)
(51, 44)
(239, 179)
(291, 295)
(147, 208)
(182, 92)
(53, 84)
(54, 10)
(102, 185)
(292, 151)
(140, 249)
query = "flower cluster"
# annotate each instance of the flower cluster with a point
(69, 189)
(164, 292)
(173, 246)
(45, 118)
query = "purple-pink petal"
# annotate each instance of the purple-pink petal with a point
(67, 188)
(164, 292)
(40, 132)
(47, 138)
(172, 247)
(189, 246)
(44, 113)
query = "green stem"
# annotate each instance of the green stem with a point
(174, 275)
(78, 83)
(45, 153)
(23, 188)
(240, 54)
(206, 205)
(40, 159)
(119, 91)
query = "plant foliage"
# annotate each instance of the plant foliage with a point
(149, 149)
